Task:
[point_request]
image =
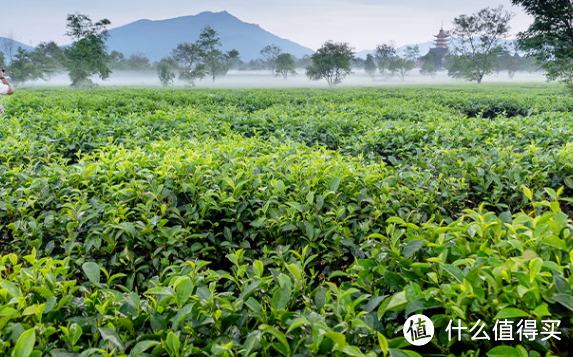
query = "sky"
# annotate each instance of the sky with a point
(362, 23)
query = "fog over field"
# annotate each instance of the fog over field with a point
(263, 79)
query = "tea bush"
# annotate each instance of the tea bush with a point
(283, 222)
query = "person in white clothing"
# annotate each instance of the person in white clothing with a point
(5, 89)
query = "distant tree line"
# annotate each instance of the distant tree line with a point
(477, 51)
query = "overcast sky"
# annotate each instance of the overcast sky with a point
(362, 23)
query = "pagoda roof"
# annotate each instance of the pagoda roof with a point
(442, 34)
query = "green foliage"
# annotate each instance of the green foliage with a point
(203, 58)
(549, 37)
(285, 65)
(385, 55)
(331, 62)
(165, 72)
(370, 66)
(22, 68)
(293, 222)
(401, 66)
(213, 59)
(86, 56)
(270, 56)
(479, 34)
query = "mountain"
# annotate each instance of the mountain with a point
(6, 42)
(425, 47)
(156, 39)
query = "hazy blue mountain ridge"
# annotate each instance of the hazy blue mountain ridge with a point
(15, 46)
(156, 39)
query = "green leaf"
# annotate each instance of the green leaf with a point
(373, 303)
(397, 302)
(455, 272)
(141, 347)
(510, 313)
(542, 310)
(402, 353)
(25, 344)
(172, 344)
(565, 300)
(320, 298)
(294, 270)
(252, 342)
(11, 288)
(503, 351)
(528, 193)
(92, 272)
(334, 184)
(277, 334)
(383, 342)
(301, 321)
(352, 351)
(338, 338)
(282, 294)
(412, 247)
(112, 337)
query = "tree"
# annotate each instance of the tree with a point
(232, 59)
(165, 71)
(22, 69)
(37, 64)
(412, 53)
(304, 62)
(480, 35)
(215, 62)
(138, 62)
(550, 38)
(49, 57)
(385, 54)
(370, 66)
(401, 66)
(188, 59)
(285, 65)
(430, 65)
(331, 62)
(270, 54)
(86, 56)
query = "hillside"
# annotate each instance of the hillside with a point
(156, 39)
(4, 42)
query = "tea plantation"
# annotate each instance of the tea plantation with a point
(286, 222)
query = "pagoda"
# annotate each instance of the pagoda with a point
(442, 39)
(441, 48)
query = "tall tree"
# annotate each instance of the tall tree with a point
(49, 56)
(189, 61)
(332, 62)
(285, 65)
(214, 61)
(385, 54)
(370, 65)
(480, 35)
(430, 65)
(270, 54)
(22, 68)
(40, 63)
(401, 66)
(550, 38)
(165, 71)
(87, 55)
(412, 53)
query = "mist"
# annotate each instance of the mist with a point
(264, 79)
